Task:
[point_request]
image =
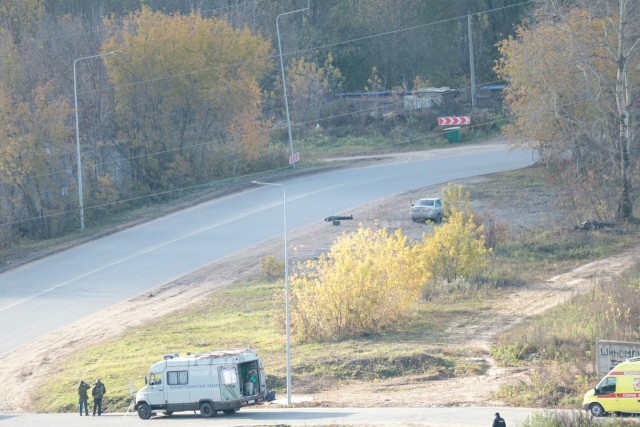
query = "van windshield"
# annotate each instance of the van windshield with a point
(155, 379)
(606, 386)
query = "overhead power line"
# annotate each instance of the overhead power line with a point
(297, 52)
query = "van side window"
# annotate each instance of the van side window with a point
(177, 377)
(607, 385)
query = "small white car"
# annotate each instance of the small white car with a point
(429, 208)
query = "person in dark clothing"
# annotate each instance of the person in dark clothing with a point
(499, 421)
(83, 397)
(98, 393)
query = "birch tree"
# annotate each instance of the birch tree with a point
(573, 78)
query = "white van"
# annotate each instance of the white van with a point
(223, 380)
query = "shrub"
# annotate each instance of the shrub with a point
(548, 386)
(455, 199)
(272, 268)
(456, 249)
(495, 231)
(366, 284)
(571, 419)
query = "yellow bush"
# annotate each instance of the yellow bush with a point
(456, 249)
(454, 199)
(367, 283)
(371, 279)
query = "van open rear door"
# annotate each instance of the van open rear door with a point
(229, 384)
(263, 380)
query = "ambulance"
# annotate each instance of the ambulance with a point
(218, 381)
(618, 392)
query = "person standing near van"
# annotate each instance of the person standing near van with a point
(499, 421)
(98, 393)
(83, 397)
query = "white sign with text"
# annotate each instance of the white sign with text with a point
(610, 353)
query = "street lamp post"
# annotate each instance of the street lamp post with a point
(284, 84)
(75, 98)
(286, 284)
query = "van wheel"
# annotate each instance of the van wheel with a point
(206, 409)
(229, 411)
(596, 410)
(144, 411)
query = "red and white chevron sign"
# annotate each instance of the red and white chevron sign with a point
(463, 120)
(294, 158)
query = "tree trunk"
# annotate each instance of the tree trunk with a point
(623, 103)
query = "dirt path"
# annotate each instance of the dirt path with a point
(25, 367)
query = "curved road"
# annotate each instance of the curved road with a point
(38, 297)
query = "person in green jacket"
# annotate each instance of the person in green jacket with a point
(83, 397)
(98, 393)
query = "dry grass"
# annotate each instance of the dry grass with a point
(559, 346)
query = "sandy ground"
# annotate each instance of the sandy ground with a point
(22, 369)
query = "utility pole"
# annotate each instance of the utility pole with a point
(78, 157)
(286, 282)
(284, 83)
(471, 63)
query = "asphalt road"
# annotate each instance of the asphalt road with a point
(38, 297)
(433, 417)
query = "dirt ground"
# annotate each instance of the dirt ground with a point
(25, 367)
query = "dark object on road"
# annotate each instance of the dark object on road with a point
(270, 397)
(594, 225)
(337, 217)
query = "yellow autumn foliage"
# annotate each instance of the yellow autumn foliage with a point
(372, 279)
(367, 283)
(455, 198)
(188, 89)
(456, 249)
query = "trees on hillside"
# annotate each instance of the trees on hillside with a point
(186, 84)
(184, 102)
(573, 77)
(311, 87)
(433, 43)
(32, 151)
(185, 128)
(36, 128)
